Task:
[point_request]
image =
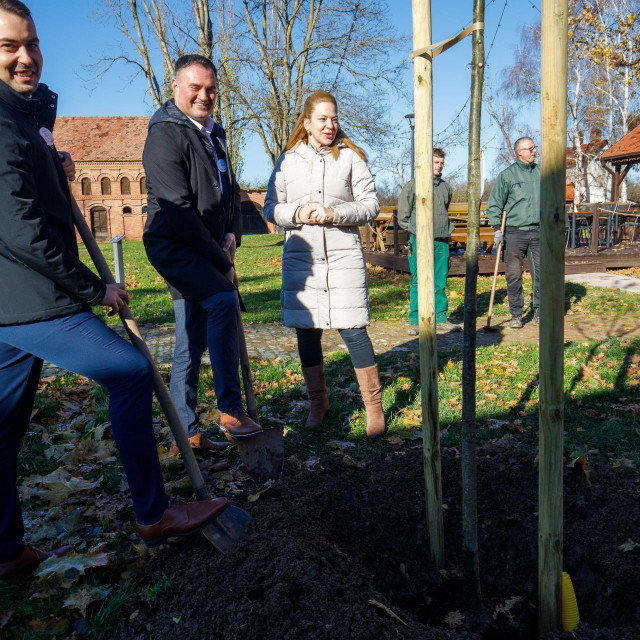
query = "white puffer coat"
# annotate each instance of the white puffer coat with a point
(324, 276)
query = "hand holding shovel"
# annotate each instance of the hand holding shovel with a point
(488, 326)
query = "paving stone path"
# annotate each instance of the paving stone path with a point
(269, 341)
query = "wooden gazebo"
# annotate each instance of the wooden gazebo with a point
(620, 157)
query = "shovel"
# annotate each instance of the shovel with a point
(229, 524)
(262, 454)
(488, 327)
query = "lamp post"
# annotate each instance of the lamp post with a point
(410, 118)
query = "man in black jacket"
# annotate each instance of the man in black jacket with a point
(45, 297)
(192, 231)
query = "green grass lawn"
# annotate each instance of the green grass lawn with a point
(259, 264)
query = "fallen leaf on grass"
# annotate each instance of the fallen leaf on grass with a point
(514, 427)
(411, 417)
(5, 617)
(629, 545)
(339, 444)
(82, 598)
(71, 567)
(506, 607)
(495, 424)
(255, 496)
(454, 619)
(395, 616)
(56, 486)
(581, 466)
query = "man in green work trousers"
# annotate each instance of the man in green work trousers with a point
(517, 191)
(442, 228)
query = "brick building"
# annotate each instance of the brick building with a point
(110, 185)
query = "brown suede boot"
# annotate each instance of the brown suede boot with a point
(317, 392)
(371, 391)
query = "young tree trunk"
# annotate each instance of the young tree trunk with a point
(474, 192)
(552, 231)
(423, 108)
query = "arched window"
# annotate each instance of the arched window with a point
(144, 210)
(125, 186)
(143, 185)
(86, 187)
(105, 184)
(126, 210)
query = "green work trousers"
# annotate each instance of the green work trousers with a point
(442, 262)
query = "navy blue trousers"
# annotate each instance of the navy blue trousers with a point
(83, 344)
(211, 323)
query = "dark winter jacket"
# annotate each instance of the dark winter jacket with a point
(41, 276)
(442, 193)
(188, 217)
(516, 191)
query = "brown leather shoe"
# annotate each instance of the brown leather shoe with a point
(29, 560)
(238, 424)
(200, 443)
(180, 519)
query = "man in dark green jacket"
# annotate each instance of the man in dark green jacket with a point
(442, 228)
(517, 191)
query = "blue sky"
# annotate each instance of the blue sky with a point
(73, 35)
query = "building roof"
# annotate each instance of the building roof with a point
(590, 149)
(627, 149)
(102, 138)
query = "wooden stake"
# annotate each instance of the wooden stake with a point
(423, 109)
(552, 228)
(473, 594)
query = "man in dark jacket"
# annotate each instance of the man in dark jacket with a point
(45, 297)
(192, 231)
(517, 191)
(442, 229)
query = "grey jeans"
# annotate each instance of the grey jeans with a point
(520, 244)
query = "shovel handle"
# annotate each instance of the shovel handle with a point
(162, 393)
(245, 367)
(495, 269)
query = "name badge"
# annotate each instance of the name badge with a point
(222, 165)
(46, 135)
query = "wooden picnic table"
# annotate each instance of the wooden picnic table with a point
(376, 233)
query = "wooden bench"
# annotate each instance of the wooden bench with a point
(383, 233)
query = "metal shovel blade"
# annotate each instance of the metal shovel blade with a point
(226, 528)
(263, 454)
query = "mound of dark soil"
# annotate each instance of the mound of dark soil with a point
(339, 551)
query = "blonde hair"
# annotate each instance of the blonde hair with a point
(299, 133)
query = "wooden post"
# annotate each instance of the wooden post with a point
(423, 109)
(552, 230)
(473, 594)
(595, 229)
(616, 184)
(394, 217)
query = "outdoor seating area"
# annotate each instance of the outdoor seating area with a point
(614, 243)
(602, 224)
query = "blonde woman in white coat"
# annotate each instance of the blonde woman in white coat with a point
(320, 192)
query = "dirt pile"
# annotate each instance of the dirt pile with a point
(339, 550)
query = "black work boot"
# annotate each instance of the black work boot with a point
(516, 322)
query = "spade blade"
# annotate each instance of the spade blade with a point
(263, 454)
(226, 528)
